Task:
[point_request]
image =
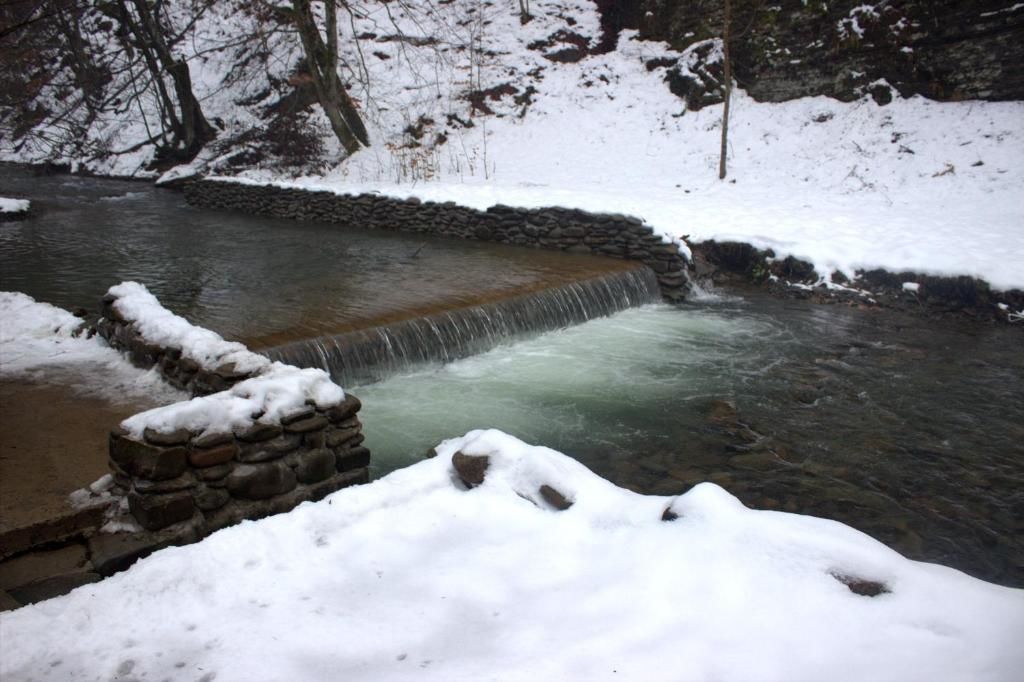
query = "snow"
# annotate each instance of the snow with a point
(38, 342)
(13, 205)
(918, 185)
(160, 326)
(931, 187)
(279, 391)
(415, 577)
(912, 287)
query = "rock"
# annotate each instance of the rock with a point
(210, 440)
(8, 603)
(259, 431)
(355, 458)
(215, 472)
(555, 498)
(154, 512)
(34, 565)
(300, 414)
(861, 586)
(260, 481)
(314, 466)
(208, 499)
(171, 485)
(56, 586)
(306, 425)
(470, 468)
(336, 436)
(176, 437)
(723, 413)
(145, 460)
(209, 457)
(229, 372)
(345, 409)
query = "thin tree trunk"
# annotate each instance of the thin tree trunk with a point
(727, 68)
(195, 131)
(322, 60)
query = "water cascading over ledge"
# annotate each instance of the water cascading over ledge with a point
(368, 355)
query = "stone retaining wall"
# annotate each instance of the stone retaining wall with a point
(554, 228)
(180, 486)
(181, 372)
(216, 480)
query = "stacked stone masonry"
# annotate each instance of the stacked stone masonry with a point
(614, 235)
(179, 371)
(211, 481)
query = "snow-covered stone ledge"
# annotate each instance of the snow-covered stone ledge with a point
(14, 209)
(564, 229)
(262, 447)
(189, 357)
(259, 437)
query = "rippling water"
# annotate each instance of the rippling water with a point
(909, 431)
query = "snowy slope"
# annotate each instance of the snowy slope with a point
(915, 185)
(415, 577)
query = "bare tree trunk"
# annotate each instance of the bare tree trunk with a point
(524, 11)
(322, 59)
(193, 129)
(727, 87)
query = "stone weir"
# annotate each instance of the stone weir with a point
(367, 355)
(553, 228)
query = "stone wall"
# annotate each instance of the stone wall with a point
(178, 370)
(555, 228)
(208, 482)
(179, 486)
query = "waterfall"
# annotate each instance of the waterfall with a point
(368, 355)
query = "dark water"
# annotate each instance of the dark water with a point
(908, 429)
(263, 281)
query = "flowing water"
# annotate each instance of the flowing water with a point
(263, 281)
(909, 429)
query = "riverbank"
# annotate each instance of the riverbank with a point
(524, 565)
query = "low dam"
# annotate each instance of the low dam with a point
(905, 428)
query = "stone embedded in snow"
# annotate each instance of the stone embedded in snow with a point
(470, 468)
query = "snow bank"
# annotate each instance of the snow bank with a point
(160, 326)
(414, 577)
(37, 341)
(281, 390)
(13, 205)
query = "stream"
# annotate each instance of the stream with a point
(907, 428)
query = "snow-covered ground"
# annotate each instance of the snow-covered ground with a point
(13, 205)
(38, 342)
(415, 577)
(937, 188)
